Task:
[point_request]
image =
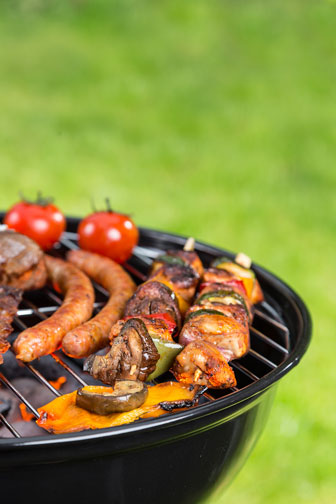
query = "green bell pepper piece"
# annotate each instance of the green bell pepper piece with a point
(168, 350)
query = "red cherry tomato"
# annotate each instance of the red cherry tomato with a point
(42, 222)
(108, 233)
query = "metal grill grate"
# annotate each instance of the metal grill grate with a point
(270, 342)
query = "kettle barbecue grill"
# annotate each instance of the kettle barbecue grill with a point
(182, 458)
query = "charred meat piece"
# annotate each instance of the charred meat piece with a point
(10, 298)
(133, 356)
(230, 337)
(181, 279)
(180, 257)
(202, 363)
(153, 297)
(156, 327)
(21, 261)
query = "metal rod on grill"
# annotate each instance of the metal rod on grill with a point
(9, 426)
(41, 379)
(68, 368)
(19, 395)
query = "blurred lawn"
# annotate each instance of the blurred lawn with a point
(214, 119)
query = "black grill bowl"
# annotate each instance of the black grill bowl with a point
(183, 458)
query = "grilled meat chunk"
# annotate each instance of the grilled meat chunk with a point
(153, 297)
(133, 356)
(21, 261)
(181, 279)
(10, 298)
(202, 363)
(230, 337)
(238, 312)
(181, 257)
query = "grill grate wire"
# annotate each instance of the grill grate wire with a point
(250, 368)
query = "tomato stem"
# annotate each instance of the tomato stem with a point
(108, 205)
(40, 200)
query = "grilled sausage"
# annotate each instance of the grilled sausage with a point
(46, 337)
(94, 334)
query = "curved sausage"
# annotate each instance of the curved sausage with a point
(94, 334)
(46, 337)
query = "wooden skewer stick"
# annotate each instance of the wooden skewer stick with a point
(244, 260)
(189, 245)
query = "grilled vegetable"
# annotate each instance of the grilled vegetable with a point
(133, 355)
(108, 233)
(62, 415)
(124, 396)
(41, 220)
(168, 350)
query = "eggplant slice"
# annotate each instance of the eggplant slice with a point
(126, 395)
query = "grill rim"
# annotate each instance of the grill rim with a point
(246, 394)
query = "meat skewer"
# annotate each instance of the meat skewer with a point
(94, 334)
(46, 337)
(141, 344)
(216, 327)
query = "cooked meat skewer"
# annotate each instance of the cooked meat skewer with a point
(151, 315)
(94, 334)
(46, 337)
(10, 298)
(219, 317)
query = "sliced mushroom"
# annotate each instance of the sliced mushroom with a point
(133, 356)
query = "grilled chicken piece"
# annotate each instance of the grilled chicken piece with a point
(153, 297)
(21, 261)
(202, 363)
(230, 337)
(133, 356)
(10, 298)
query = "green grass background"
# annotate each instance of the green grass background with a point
(208, 118)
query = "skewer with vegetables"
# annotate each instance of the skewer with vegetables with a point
(216, 328)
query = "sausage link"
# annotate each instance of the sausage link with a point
(46, 337)
(94, 334)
